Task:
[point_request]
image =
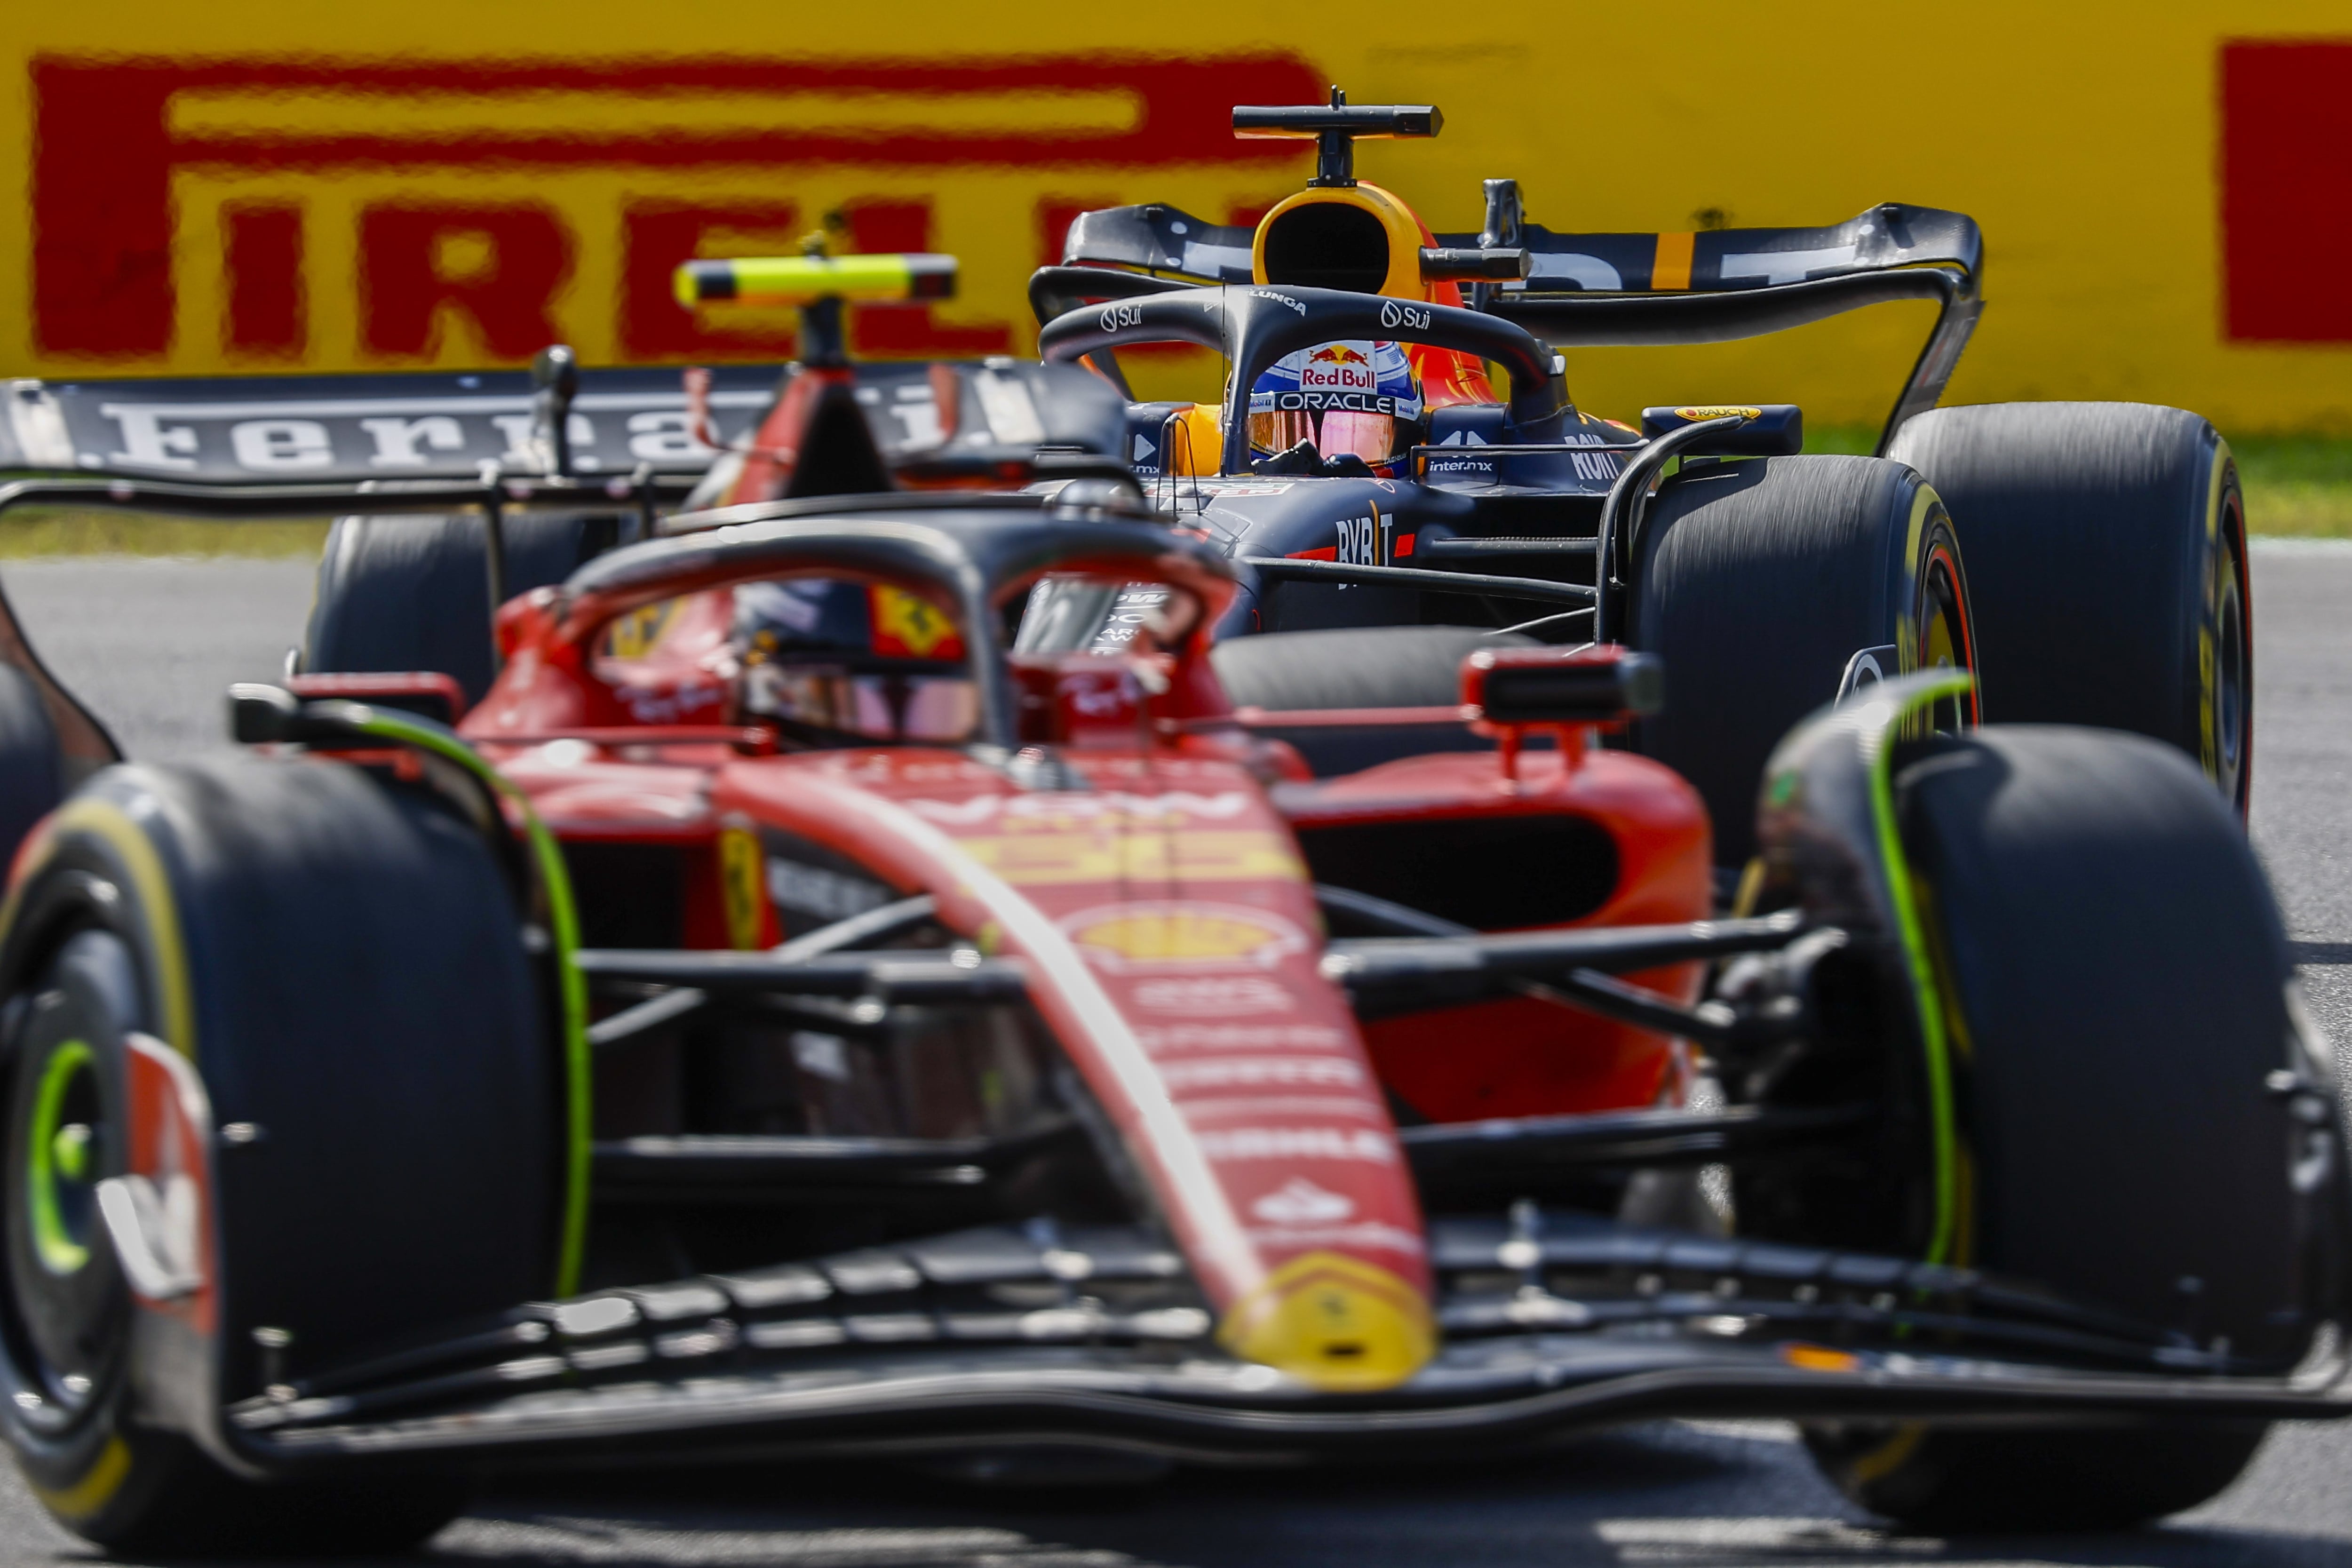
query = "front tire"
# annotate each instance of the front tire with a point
(2123, 1074)
(1758, 582)
(343, 963)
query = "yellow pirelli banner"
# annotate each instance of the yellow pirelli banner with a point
(2164, 190)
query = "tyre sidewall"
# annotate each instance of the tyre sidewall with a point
(2220, 550)
(90, 868)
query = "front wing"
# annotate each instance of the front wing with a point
(1553, 1324)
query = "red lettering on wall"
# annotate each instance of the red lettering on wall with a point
(655, 237)
(106, 150)
(101, 208)
(499, 265)
(2286, 190)
(879, 227)
(261, 246)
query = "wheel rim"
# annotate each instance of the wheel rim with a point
(60, 1186)
(1943, 630)
(67, 1305)
(2232, 700)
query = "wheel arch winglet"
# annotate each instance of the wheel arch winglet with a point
(1827, 835)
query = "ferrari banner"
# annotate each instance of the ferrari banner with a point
(438, 185)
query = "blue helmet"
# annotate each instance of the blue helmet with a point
(1359, 397)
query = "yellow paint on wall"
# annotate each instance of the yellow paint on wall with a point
(2083, 139)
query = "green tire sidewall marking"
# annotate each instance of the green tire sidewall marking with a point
(59, 1252)
(547, 860)
(1925, 986)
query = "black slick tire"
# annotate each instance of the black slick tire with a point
(2116, 975)
(1367, 667)
(1757, 582)
(1372, 667)
(32, 766)
(342, 961)
(404, 593)
(2107, 550)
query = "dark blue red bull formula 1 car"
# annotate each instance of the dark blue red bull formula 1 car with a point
(2086, 561)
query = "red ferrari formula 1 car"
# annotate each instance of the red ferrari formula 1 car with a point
(988, 1052)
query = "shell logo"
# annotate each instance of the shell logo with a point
(1175, 935)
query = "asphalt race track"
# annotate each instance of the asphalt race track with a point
(150, 645)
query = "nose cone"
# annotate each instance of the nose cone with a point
(1334, 1323)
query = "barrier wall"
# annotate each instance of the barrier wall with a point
(2166, 190)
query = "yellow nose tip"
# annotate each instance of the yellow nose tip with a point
(1334, 1323)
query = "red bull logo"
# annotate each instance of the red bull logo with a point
(1337, 367)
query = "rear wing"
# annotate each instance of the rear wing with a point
(627, 428)
(1744, 260)
(325, 428)
(1590, 290)
(1713, 286)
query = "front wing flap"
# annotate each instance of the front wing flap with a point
(1553, 1324)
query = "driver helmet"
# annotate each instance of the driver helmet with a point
(833, 657)
(1358, 397)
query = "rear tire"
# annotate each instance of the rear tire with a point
(343, 963)
(413, 593)
(2119, 976)
(31, 765)
(1757, 582)
(2107, 549)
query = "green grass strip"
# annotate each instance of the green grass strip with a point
(39, 533)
